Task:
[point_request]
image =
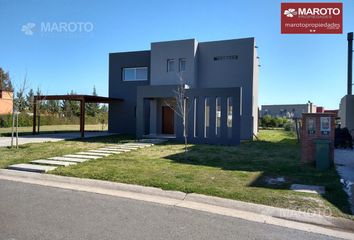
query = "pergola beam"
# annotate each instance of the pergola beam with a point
(83, 99)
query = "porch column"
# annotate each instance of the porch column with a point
(82, 117)
(153, 116)
(34, 116)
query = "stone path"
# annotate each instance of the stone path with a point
(45, 165)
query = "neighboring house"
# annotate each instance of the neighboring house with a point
(6, 102)
(288, 110)
(222, 98)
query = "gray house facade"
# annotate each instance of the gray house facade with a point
(221, 95)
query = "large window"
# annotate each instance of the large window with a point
(182, 64)
(170, 65)
(135, 74)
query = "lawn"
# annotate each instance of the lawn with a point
(239, 172)
(53, 128)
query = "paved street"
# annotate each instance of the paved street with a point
(37, 212)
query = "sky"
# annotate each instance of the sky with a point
(294, 68)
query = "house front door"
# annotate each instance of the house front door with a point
(168, 122)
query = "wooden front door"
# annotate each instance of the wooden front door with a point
(168, 120)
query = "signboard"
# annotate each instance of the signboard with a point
(312, 18)
(325, 125)
(311, 126)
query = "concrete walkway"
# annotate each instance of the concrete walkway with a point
(53, 137)
(344, 161)
(45, 165)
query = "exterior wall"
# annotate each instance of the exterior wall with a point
(122, 114)
(160, 92)
(308, 147)
(162, 51)
(240, 72)
(287, 109)
(346, 112)
(6, 102)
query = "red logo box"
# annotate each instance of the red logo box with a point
(312, 18)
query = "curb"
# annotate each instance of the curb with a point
(177, 198)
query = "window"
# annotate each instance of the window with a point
(218, 116)
(229, 117)
(135, 74)
(170, 65)
(206, 117)
(182, 64)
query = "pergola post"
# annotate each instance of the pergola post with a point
(34, 115)
(82, 117)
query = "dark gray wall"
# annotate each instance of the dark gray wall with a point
(231, 73)
(162, 51)
(122, 115)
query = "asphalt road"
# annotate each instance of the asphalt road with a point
(36, 212)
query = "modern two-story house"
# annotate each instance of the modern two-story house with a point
(221, 96)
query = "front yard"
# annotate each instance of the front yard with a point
(240, 173)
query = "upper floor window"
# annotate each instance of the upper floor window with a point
(182, 64)
(135, 74)
(170, 65)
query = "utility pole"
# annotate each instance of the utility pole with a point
(350, 63)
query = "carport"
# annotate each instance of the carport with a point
(83, 99)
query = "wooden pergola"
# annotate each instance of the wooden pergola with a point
(83, 99)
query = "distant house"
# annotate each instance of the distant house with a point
(6, 102)
(288, 110)
(222, 95)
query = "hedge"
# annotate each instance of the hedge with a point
(25, 120)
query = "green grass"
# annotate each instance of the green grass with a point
(238, 172)
(53, 129)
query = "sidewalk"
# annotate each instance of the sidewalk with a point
(335, 227)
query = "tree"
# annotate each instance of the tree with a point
(92, 109)
(30, 99)
(53, 107)
(5, 81)
(181, 109)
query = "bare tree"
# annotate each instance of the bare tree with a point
(181, 108)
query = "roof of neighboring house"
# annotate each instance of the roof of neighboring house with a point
(76, 97)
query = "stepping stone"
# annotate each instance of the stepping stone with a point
(53, 162)
(122, 147)
(116, 149)
(139, 144)
(68, 159)
(105, 151)
(94, 153)
(81, 156)
(31, 167)
(308, 188)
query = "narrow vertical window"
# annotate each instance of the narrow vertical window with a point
(182, 64)
(170, 65)
(217, 116)
(195, 126)
(229, 117)
(206, 117)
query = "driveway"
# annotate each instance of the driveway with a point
(344, 161)
(54, 137)
(39, 212)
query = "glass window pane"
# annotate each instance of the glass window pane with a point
(141, 73)
(129, 74)
(170, 65)
(182, 65)
(206, 117)
(218, 116)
